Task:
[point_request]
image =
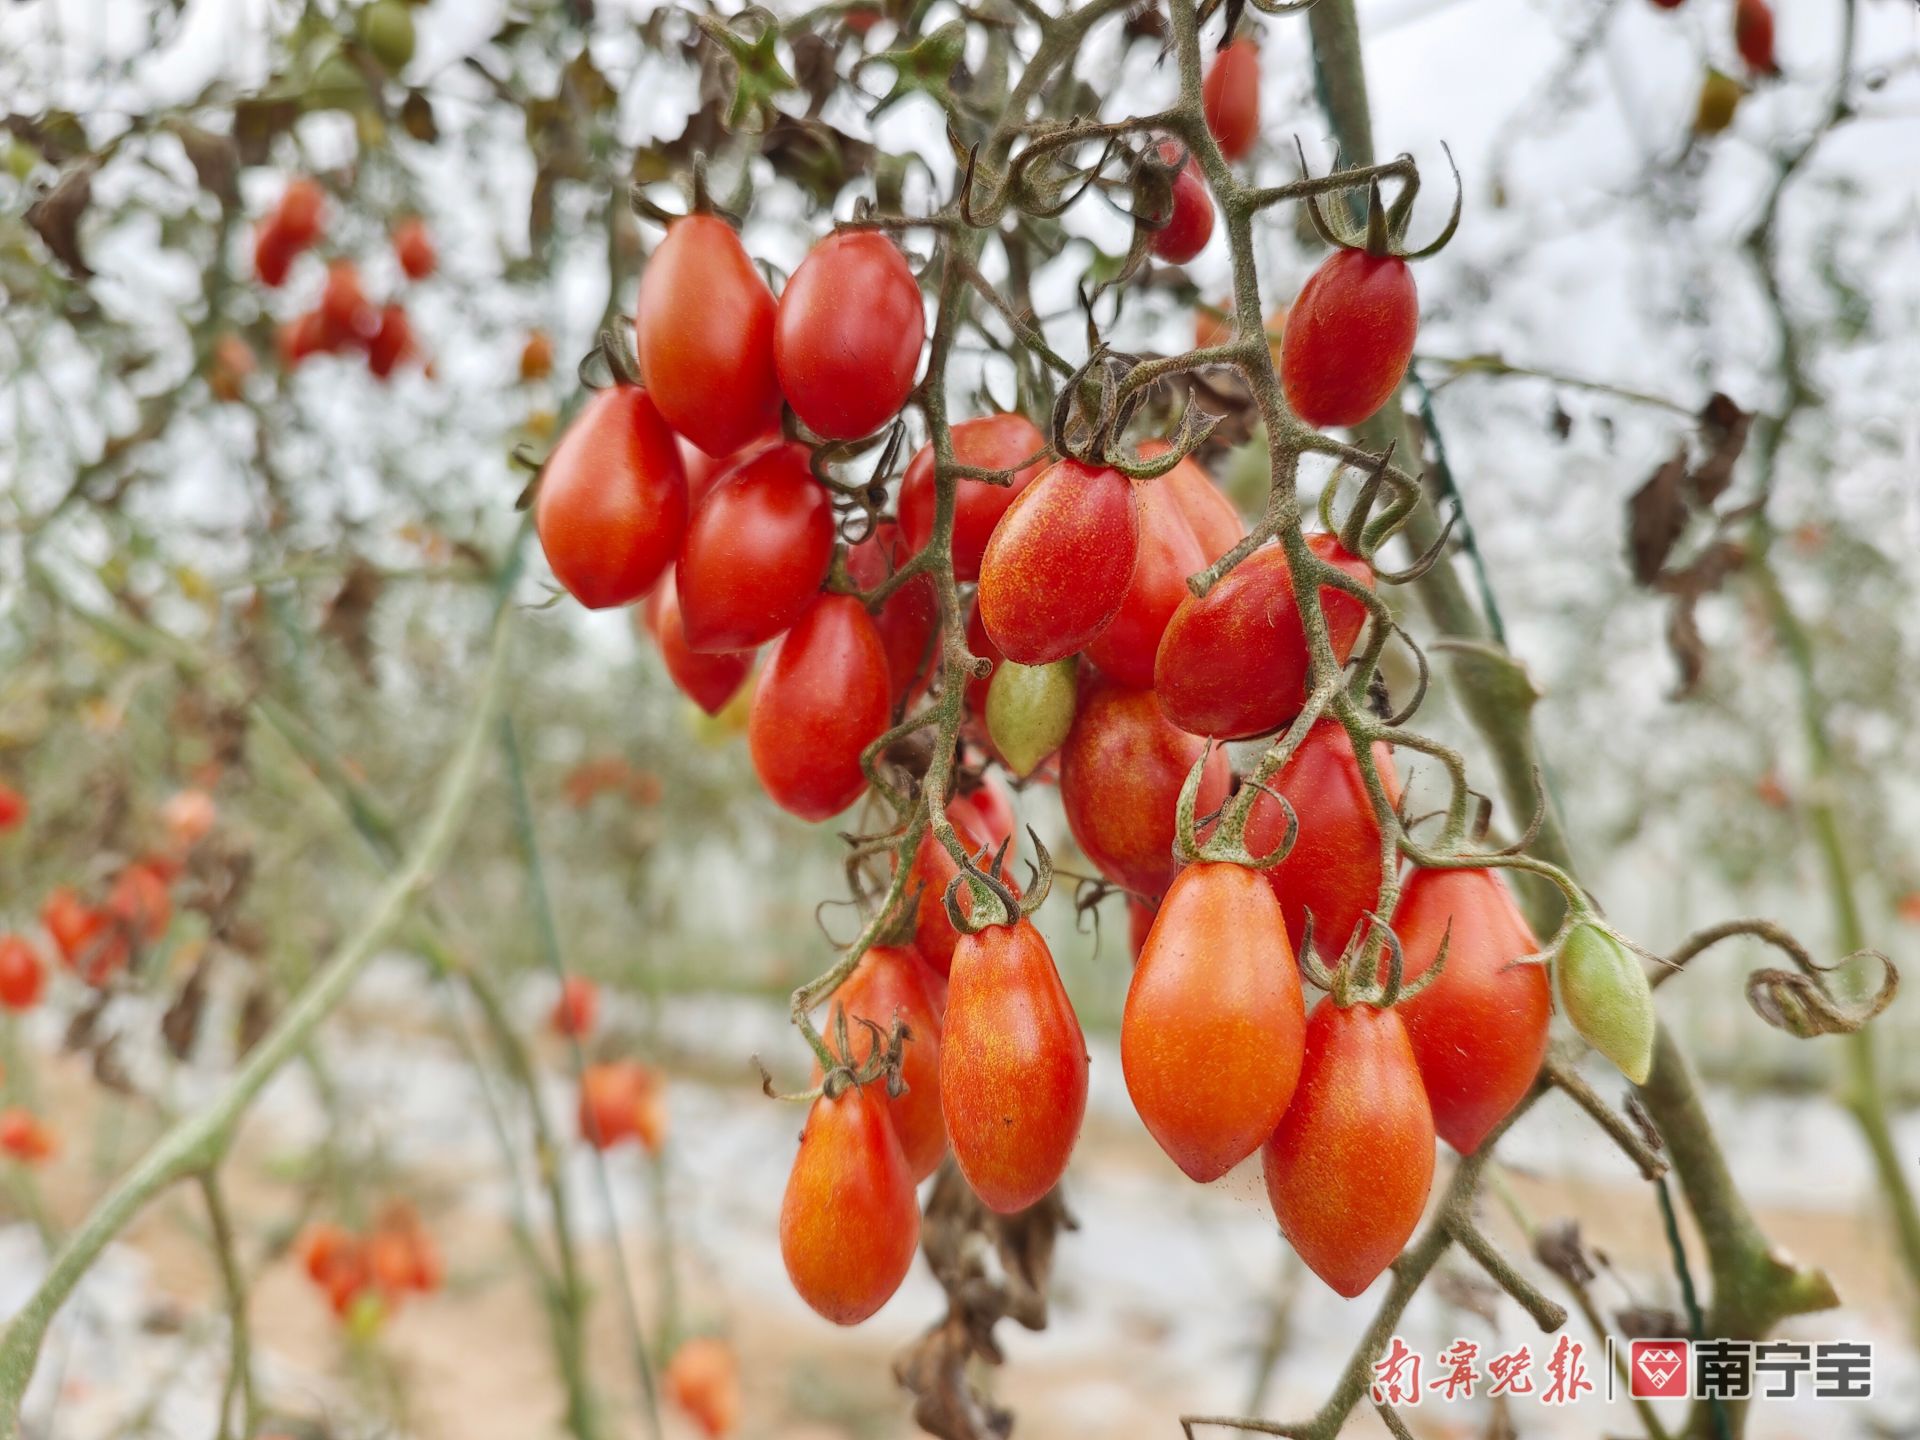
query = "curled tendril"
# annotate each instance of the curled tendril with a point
(1425, 561)
(1798, 1001)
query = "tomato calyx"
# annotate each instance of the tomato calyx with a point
(885, 1051)
(1095, 407)
(1386, 228)
(992, 900)
(1372, 970)
(1363, 533)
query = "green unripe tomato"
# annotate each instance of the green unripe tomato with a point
(1604, 992)
(1030, 711)
(337, 84)
(386, 29)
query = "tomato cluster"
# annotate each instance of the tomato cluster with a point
(344, 318)
(365, 1277)
(1106, 675)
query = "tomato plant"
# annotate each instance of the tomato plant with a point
(1120, 774)
(849, 1224)
(1349, 1167)
(1479, 1032)
(757, 548)
(705, 328)
(823, 699)
(1013, 1066)
(848, 337)
(1212, 1035)
(989, 442)
(1233, 662)
(1189, 219)
(1059, 562)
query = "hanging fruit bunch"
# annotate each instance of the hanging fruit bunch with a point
(1065, 597)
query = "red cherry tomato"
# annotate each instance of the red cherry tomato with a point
(757, 549)
(1059, 562)
(24, 1138)
(984, 821)
(298, 338)
(139, 903)
(1190, 221)
(709, 680)
(1349, 1168)
(302, 209)
(577, 1010)
(391, 342)
(1349, 337)
(849, 1223)
(1230, 98)
(1479, 1032)
(343, 305)
(908, 618)
(848, 338)
(992, 442)
(1139, 925)
(1211, 1038)
(1013, 1067)
(704, 471)
(895, 984)
(704, 1380)
(1171, 549)
(1233, 662)
(1753, 35)
(13, 807)
(22, 976)
(621, 1100)
(612, 504)
(1333, 869)
(705, 332)
(822, 700)
(413, 246)
(274, 252)
(1120, 776)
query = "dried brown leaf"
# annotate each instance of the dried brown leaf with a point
(1558, 1247)
(349, 616)
(57, 214)
(1656, 518)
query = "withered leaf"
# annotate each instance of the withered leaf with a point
(257, 121)
(813, 67)
(417, 119)
(256, 1017)
(1723, 430)
(350, 613)
(1557, 1246)
(1469, 1291)
(1656, 518)
(215, 160)
(57, 214)
(57, 134)
(815, 155)
(180, 1026)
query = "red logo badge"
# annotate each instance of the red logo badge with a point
(1658, 1370)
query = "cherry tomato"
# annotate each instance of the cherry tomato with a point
(189, 817)
(1333, 869)
(848, 339)
(1190, 219)
(577, 1010)
(1139, 925)
(413, 246)
(391, 342)
(756, 551)
(1171, 548)
(1059, 562)
(1753, 35)
(1211, 1038)
(1349, 1168)
(849, 1224)
(139, 902)
(612, 504)
(22, 977)
(984, 821)
(89, 942)
(24, 1138)
(909, 617)
(822, 700)
(301, 212)
(1230, 98)
(344, 307)
(1030, 712)
(274, 252)
(703, 1378)
(321, 1247)
(536, 357)
(709, 680)
(1013, 1067)
(1479, 1032)
(303, 336)
(892, 984)
(13, 807)
(1349, 337)
(1233, 662)
(229, 367)
(1606, 998)
(621, 1100)
(992, 442)
(704, 471)
(1120, 776)
(705, 330)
